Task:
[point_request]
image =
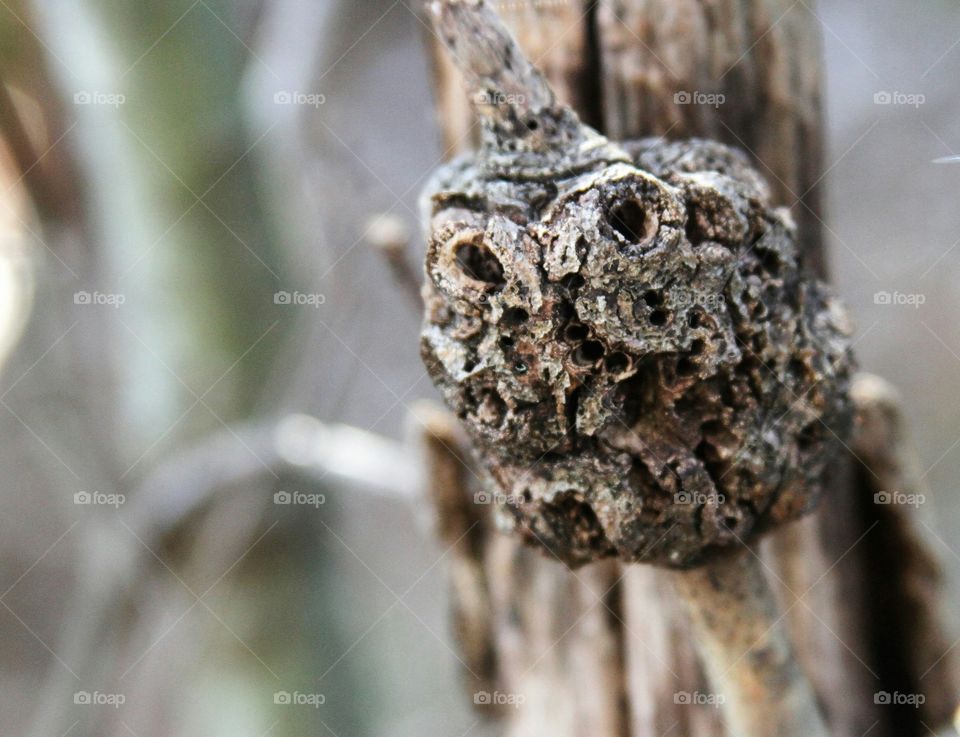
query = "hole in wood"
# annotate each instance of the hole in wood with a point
(479, 263)
(631, 220)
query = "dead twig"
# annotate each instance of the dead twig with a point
(743, 642)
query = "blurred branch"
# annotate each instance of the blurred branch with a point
(174, 494)
(904, 578)
(13, 132)
(461, 529)
(16, 268)
(390, 236)
(45, 169)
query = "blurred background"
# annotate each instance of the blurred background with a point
(208, 369)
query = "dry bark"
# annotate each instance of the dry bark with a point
(764, 58)
(905, 628)
(746, 650)
(624, 330)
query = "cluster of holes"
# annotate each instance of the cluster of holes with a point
(652, 308)
(513, 317)
(587, 352)
(676, 370)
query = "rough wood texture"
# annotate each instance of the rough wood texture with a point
(906, 631)
(817, 564)
(555, 39)
(761, 57)
(746, 650)
(623, 331)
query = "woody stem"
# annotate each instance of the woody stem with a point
(743, 644)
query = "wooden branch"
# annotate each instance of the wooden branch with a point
(499, 334)
(460, 528)
(500, 81)
(903, 571)
(746, 650)
(390, 236)
(606, 58)
(761, 57)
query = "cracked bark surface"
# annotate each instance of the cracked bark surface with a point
(626, 338)
(542, 618)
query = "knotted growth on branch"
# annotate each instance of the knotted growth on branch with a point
(626, 330)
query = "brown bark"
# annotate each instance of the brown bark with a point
(746, 650)
(620, 63)
(762, 55)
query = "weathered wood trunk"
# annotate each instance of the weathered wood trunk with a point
(605, 649)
